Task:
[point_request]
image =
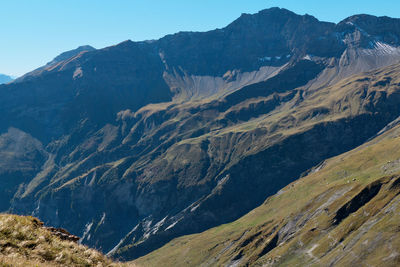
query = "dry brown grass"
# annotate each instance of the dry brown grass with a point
(25, 242)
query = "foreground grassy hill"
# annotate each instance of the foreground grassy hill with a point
(345, 211)
(24, 241)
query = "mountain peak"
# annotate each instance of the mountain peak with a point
(274, 14)
(384, 28)
(276, 10)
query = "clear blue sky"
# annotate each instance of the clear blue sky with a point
(35, 31)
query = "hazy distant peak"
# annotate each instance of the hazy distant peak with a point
(5, 78)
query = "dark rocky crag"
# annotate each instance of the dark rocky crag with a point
(132, 145)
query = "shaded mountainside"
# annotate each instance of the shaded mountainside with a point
(343, 212)
(133, 145)
(24, 241)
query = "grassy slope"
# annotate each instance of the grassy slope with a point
(351, 97)
(331, 216)
(25, 242)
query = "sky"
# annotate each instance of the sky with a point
(33, 32)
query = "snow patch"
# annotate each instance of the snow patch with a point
(114, 249)
(36, 211)
(265, 59)
(269, 58)
(146, 228)
(157, 226)
(91, 183)
(173, 224)
(88, 227)
(223, 180)
(102, 219)
(194, 208)
(147, 225)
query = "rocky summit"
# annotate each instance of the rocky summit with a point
(133, 145)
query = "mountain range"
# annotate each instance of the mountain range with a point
(134, 145)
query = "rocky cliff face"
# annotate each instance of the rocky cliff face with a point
(135, 144)
(342, 212)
